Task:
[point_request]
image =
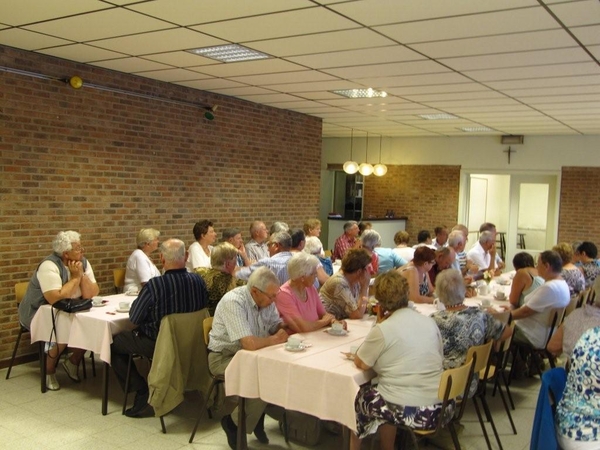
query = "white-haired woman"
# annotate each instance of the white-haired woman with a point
(298, 301)
(313, 246)
(370, 239)
(63, 274)
(140, 267)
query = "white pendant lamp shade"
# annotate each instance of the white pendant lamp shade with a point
(350, 167)
(380, 170)
(365, 169)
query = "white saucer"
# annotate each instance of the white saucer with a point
(132, 294)
(123, 310)
(501, 299)
(100, 305)
(301, 348)
(337, 333)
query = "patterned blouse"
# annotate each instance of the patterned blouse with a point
(590, 271)
(575, 280)
(578, 412)
(218, 283)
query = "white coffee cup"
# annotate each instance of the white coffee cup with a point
(486, 302)
(337, 326)
(294, 342)
(124, 305)
(97, 301)
(500, 295)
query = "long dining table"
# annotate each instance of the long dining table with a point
(91, 330)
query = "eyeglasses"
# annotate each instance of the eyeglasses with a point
(270, 297)
(78, 250)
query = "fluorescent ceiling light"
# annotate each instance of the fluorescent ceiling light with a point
(440, 116)
(360, 93)
(475, 129)
(229, 53)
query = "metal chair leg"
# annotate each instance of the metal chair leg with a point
(213, 384)
(127, 383)
(43, 357)
(14, 353)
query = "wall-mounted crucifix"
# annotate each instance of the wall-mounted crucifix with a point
(508, 152)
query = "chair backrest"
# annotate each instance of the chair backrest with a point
(480, 355)
(327, 253)
(575, 300)
(207, 326)
(555, 318)
(454, 382)
(20, 289)
(119, 279)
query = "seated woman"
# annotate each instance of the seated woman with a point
(63, 274)
(219, 278)
(199, 251)
(140, 267)
(416, 273)
(314, 247)
(578, 412)
(405, 252)
(575, 324)
(408, 374)
(570, 273)
(526, 279)
(345, 294)
(462, 326)
(586, 255)
(298, 301)
(369, 240)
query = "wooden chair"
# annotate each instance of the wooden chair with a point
(20, 289)
(453, 383)
(216, 379)
(119, 280)
(480, 355)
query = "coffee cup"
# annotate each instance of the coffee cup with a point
(294, 342)
(500, 295)
(124, 305)
(486, 302)
(97, 301)
(337, 327)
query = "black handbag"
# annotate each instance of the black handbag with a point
(73, 305)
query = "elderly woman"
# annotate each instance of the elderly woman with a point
(369, 240)
(140, 267)
(298, 301)
(219, 278)
(576, 323)
(578, 411)
(462, 326)
(63, 274)
(526, 279)
(345, 294)
(312, 227)
(570, 273)
(199, 251)
(586, 255)
(416, 273)
(405, 252)
(408, 373)
(314, 247)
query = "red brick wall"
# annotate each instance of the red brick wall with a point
(427, 195)
(579, 216)
(107, 164)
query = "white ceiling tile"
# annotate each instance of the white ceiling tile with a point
(30, 11)
(383, 70)
(261, 66)
(489, 94)
(439, 89)
(171, 75)
(294, 105)
(587, 35)
(595, 50)
(557, 70)
(181, 59)
(318, 95)
(504, 22)
(285, 77)
(28, 40)
(130, 65)
(537, 101)
(241, 91)
(377, 55)
(81, 53)
(524, 94)
(484, 109)
(272, 98)
(312, 87)
(99, 25)
(389, 83)
(210, 84)
(303, 21)
(560, 106)
(455, 104)
(578, 13)
(578, 80)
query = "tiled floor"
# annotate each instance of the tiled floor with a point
(71, 419)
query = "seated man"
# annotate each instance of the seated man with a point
(532, 318)
(444, 258)
(346, 241)
(234, 237)
(424, 239)
(220, 278)
(441, 237)
(279, 245)
(246, 318)
(176, 291)
(483, 253)
(256, 247)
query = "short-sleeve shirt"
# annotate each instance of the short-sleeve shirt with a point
(574, 279)
(338, 297)
(256, 251)
(405, 351)
(197, 257)
(139, 270)
(342, 245)
(388, 259)
(48, 275)
(289, 305)
(238, 316)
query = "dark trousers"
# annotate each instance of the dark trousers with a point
(125, 344)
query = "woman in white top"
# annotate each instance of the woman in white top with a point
(140, 267)
(199, 251)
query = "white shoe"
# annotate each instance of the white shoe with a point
(51, 383)
(72, 370)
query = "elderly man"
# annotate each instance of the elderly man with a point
(279, 245)
(444, 258)
(234, 237)
(246, 318)
(63, 274)
(424, 239)
(256, 247)
(441, 237)
(298, 239)
(220, 277)
(176, 291)
(346, 241)
(488, 226)
(483, 253)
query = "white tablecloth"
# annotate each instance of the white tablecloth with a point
(318, 381)
(90, 330)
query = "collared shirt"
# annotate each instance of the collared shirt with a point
(177, 291)
(256, 251)
(479, 256)
(277, 263)
(238, 316)
(388, 259)
(342, 245)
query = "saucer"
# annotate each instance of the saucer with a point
(122, 310)
(132, 294)
(100, 305)
(300, 348)
(500, 299)
(337, 333)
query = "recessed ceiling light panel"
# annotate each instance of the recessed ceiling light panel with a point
(475, 129)
(440, 116)
(229, 53)
(360, 93)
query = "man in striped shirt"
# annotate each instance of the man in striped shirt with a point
(176, 291)
(279, 246)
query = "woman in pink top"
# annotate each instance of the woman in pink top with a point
(298, 301)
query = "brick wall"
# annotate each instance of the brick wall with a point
(428, 195)
(107, 164)
(579, 216)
